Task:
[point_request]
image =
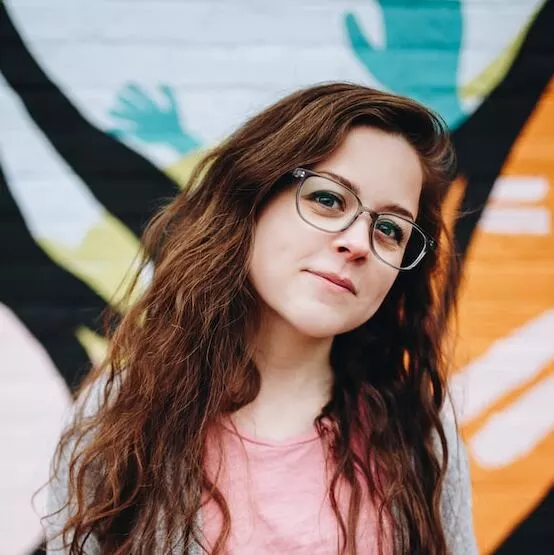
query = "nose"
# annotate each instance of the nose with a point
(355, 240)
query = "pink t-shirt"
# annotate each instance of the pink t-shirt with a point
(277, 493)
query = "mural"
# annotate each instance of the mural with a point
(104, 110)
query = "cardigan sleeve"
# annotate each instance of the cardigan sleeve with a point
(57, 490)
(456, 500)
(57, 495)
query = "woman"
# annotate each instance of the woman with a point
(279, 386)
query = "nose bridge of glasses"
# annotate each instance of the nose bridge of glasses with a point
(371, 219)
(357, 216)
(373, 215)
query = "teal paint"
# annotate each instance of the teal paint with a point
(421, 54)
(143, 119)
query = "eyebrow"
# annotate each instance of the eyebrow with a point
(390, 207)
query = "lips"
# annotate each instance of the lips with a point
(337, 280)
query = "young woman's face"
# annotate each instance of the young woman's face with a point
(288, 252)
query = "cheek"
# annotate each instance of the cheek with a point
(282, 241)
(273, 249)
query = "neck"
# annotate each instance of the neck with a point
(296, 382)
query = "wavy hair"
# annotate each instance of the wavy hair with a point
(179, 359)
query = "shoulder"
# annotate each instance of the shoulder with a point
(456, 499)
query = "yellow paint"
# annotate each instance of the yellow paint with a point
(103, 259)
(181, 170)
(95, 345)
(106, 258)
(481, 85)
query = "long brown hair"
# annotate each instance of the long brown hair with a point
(180, 358)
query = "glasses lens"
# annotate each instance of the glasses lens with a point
(325, 204)
(397, 241)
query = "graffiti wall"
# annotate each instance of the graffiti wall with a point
(104, 108)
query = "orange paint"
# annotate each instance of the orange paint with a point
(509, 280)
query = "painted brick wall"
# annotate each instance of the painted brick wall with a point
(105, 105)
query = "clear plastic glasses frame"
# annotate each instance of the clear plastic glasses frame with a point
(427, 242)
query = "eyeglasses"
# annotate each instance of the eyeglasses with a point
(332, 207)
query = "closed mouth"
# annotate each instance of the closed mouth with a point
(337, 280)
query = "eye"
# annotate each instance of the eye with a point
(327, 199)
(390, 230)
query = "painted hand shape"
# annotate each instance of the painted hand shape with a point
(421, 53)
(144, 119)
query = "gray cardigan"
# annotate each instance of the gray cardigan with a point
(455, 502)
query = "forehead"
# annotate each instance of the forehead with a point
(384, 167)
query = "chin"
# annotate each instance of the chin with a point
(320, 326)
